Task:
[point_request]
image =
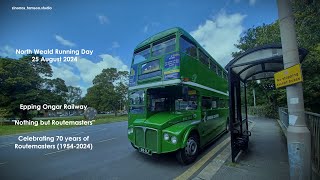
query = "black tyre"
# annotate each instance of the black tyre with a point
(133, 146)
(189, 154)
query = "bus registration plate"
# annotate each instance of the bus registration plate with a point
(145, 151)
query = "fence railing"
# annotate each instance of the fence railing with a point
(283, 116)
(313, 123)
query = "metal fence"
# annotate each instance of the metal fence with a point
(313, 123)
(283, 116)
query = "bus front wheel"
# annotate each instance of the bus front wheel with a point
(189, 153)
(133, 146)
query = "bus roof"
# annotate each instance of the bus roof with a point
(173, 31)
(162, 34)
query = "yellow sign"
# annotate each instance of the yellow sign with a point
(288, 76)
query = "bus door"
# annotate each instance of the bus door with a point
(206, 118)
(211, 115)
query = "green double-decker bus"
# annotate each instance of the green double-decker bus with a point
(178, 96)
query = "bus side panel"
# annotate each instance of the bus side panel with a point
(197, 72)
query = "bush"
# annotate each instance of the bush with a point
(263, 111)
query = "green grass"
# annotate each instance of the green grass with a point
(17, 129)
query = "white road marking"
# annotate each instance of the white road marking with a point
(6, 145)
(3, 163)
(56, 152)
(122, 125)
(107, 140)
(49, 130)
(78, 133)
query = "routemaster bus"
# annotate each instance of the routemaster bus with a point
(178, 96)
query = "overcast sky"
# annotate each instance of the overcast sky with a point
(112, 29)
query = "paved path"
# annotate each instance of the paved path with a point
(266, 159)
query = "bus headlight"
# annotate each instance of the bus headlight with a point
(174, 140)
(130, 130)
(166, 136)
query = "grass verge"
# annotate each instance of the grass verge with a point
(17, 129)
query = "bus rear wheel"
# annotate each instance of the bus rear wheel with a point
(189, 153)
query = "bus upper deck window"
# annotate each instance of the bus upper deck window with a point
(164, 47)
(187, 47)
(141, 56)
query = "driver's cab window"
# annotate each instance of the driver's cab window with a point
(159, 104)
(190, 104)
(137, 98)
(136, 102)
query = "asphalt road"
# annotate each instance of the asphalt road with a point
(111, 157)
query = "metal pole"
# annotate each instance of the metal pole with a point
(298, 135)
(254, 97)
(232, 112)
(238, 103)
(246, 107)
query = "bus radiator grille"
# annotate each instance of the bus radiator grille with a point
(146, 138)
(151, 139)
(139, 137)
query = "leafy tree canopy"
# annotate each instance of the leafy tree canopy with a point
(109, 90)
(307, 19)
(24, 81)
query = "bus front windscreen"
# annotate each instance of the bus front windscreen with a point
(136, 100)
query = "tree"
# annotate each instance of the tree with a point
(307, 17)
(257, 36)
(54, 91)
(109, 89)
(73, 96)
(27, 82)
(42, 68)
(19, 84)
(122, 89)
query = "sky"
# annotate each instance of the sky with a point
(113, 28)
